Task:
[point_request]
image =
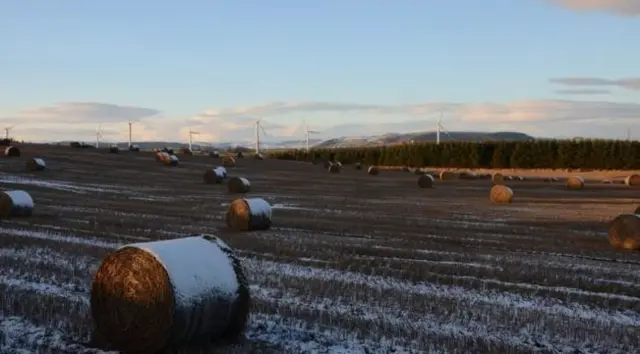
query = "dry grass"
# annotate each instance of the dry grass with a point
(350, 262)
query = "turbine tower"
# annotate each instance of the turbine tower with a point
(7, 130)
(258, 136)
(130, 143)
(438, 127)
(308, 132)
(191, 134)
(99, 134)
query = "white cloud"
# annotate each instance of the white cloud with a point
(81, 112)
(583, 92)
(544, 117)
(627, 8)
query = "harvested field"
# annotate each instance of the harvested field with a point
(352, 263)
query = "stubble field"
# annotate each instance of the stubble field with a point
(353, 263)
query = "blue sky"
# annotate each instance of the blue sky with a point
(217, 65)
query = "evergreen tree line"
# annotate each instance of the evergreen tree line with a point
(563, 154)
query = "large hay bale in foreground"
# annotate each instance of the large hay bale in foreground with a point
(36, 164)
(190, 291)
(624, 232)
(239, 185)
(16, 203)
(425, 181)
(248, 214)
(222, 169)
(213, 176)
(334, 168)
(637, 210)
(447, 175)
(501, 194)
(358, 166)
(373, 170)
(228, 161)
(497, 178)
(632, 181)
(11, 151)
(575, 182)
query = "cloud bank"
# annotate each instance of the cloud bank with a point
(540, 117)
(631, 83)
(627, 8)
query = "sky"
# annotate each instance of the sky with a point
(549, 68)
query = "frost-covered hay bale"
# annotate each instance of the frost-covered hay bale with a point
(169, 294)
(334, 168)
(624, 232)
(213, 176)
(425, 181)
(373, 170)
(249, 214)
(36, 164)
(327, 164)
(497, 178)
(11, 151)
(171, 160)
(16, 203)
(632, 181)
(228, 161)
(637, 210)
(575, 182)
(501, 194)
(358, 166)
(447, 175)
(222, 169)
(239, 185)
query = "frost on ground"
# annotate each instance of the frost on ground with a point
(353, 264)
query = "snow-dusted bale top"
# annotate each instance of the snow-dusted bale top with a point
(373, 170)
(624, 232)
(172, 160)
(239, 185)
(213, 176)
(425, 181)
(221, 169)
(248, 214)
(150, 296)
(15, 204)
(335, 168)
(36, 164)
(11, 151)
(500, 194)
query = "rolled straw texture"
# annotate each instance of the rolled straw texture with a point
(500, 194)
(624, 232)
(249, 214)
(148, 297)
(239, 185)
(373, 170)
(632, 181)
(425, 181)
(36, 164)
(213, 176)
(15, 203)
(575, 182)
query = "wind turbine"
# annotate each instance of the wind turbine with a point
(191, 134)
(307, 132)
(130, 129)
(99, 135)
(440, 128)
(7, 130)
(258, 136)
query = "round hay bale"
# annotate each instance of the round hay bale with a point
(16, 203)
(607, 181)
(637, 210)
(168, 150)
(11, 151)
(113, 149)
(575, 182)
(134, 148)
(213, 176)
(162, 156)
(632, 181)
(520, 178)
(36, 164)
(497, 178)
(334, 168)
(171, 160)
(240, 155)
(239, 185)
(624, 232)
(358, 166)
(258, 156)
(373, 170)
(406, 169)
(148, 297)
(214, 154)
(327, 164)
(418, 172)
(501, 194)
(228, 161)
(468, 176)
(338, 163)
(425, 181)
(447, 175)
(223, 170)
(186, 151)
(249, 214)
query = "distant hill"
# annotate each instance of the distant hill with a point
(390, 139)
